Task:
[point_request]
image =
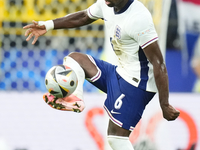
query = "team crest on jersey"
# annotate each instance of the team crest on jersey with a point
(118, 32)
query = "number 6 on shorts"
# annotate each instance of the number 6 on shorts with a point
(118, 102)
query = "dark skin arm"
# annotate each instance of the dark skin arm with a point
(155, 57)
(73, 20)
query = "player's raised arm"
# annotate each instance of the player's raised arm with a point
(154, 55)
(72, 20)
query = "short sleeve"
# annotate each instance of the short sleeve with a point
(144, 31)
(95, 11)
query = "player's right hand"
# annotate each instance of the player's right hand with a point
(34, 30)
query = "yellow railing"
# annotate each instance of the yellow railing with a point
(16, 11)
(39, 9)
(49, 9)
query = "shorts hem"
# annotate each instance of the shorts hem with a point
(115, 121)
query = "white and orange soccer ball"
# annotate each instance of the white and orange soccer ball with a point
(61, 81)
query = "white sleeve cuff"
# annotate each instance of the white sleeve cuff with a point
(90, 14)
(48, 24)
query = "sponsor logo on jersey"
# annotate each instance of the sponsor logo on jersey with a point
(144, 32)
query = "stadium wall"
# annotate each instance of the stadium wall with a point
(28, 123)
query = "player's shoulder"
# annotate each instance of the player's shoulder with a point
(140, 16)
(139, 10)
(100, 2)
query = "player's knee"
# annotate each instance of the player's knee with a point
(73, 54)
(78, 57)
(119, 143)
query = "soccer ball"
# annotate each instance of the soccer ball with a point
(61, 81)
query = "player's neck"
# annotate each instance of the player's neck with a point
(121, 5)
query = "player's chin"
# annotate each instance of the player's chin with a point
(109, 4)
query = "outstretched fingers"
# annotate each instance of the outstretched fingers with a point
(34, 30)
(31, 25)
(28, 32)
(34, 22)
(29, 37)
(35, 40)
(38, 26)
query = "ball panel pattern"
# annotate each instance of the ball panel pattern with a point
(59, 81)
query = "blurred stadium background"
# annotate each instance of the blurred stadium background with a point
(23, 67)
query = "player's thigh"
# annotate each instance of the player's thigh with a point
(106, 74)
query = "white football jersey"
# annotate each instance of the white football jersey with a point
(130, 31)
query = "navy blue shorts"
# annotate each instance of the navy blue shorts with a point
(125, 103)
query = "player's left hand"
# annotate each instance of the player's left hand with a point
(169, 112)
(34, 30)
